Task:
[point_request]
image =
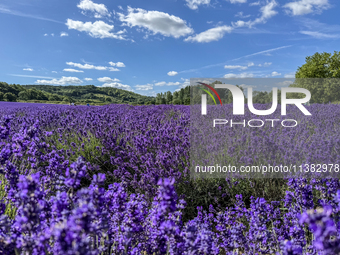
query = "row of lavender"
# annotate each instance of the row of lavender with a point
(251, 139)
(58, 201)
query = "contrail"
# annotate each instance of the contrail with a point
(265, 51)
(220, 64)
(32, 76)
(20, 14)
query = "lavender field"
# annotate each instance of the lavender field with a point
(116, 180)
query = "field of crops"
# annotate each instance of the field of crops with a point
(116, 180)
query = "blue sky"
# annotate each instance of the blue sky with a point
(158, 45)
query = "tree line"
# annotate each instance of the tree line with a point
(70, 94)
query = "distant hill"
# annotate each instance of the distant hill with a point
(67, 94)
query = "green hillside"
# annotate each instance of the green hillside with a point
(66, 94)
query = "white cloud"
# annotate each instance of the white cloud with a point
(247, 86)
(54, 72)
(73, 70)
(28, 69)
(239, 67)
(98, 29)
(62, 81)
(163, 83)
(173, 83)
(267, 11)
(88, 79)
(63, 34)
(45, 34)
(87, 66)
(118, 64)
(52, 34)
(275, 74)
(193, 4)
(319, 35)
(212, 34)
(255, 3)
(144, 87)
(290, 75)
(99, 10)
(155, 21)
(117, 85)
(303, 7)
(235, 67)
(108, 79)
(172, 73)
(186, 82)
(240, 15)
(267, 64)
(241, 75)
(238, 1)
(113, 69)
(284, 83)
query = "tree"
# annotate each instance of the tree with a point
(322, 67)
(10, 97)
(168, 97)
(54, 97)
(24, 95)
(1, 96)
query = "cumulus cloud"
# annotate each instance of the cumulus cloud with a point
(247, 86)
(212, 34)
(144, 87)
(255, 3)
(88, 79)
(97, 29)
(113, 69)
(117, 85)
(156, 22)
(62, 81)
(118, 64)
(240, 15)
(193, 4)
(267, 64)
(185, 83)
(238, 1)
(28, 69)
(108, 79)
(63, 34)
(163, 83)
(303, 7)
(99, 10)
(275, 74)
(284, 83)
(290, 75)
(241, 75)
(45, 34)
(172, 73)
(73, 70)
(235, 67)
(87, 66)
(267, 11)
